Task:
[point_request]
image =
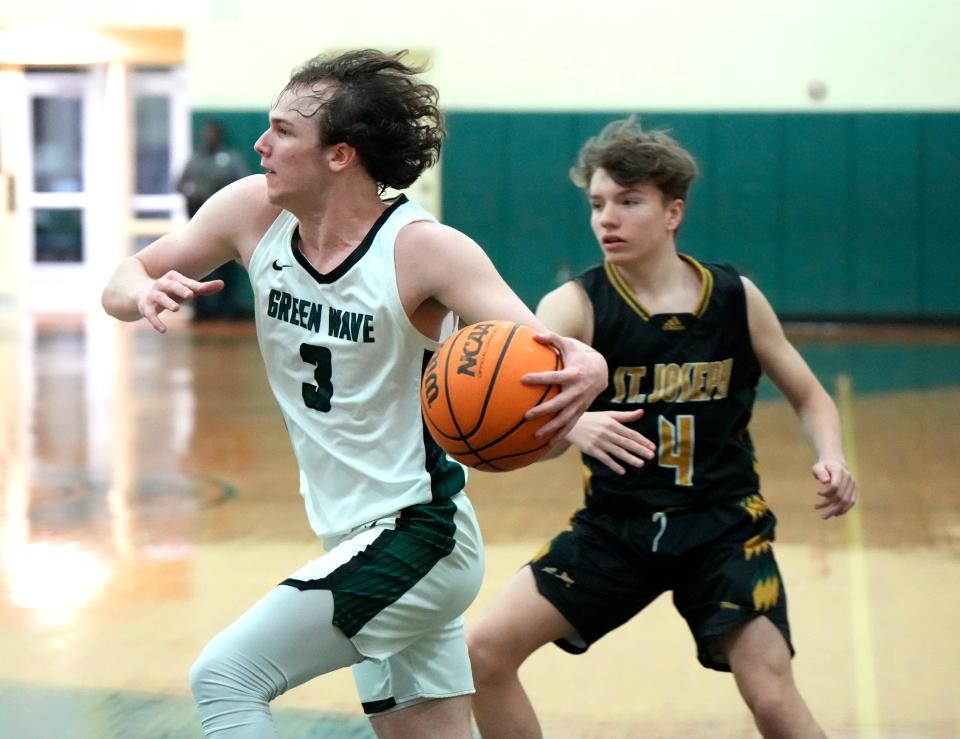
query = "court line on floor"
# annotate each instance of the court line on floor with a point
(868, 714)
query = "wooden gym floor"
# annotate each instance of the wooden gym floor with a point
(150, 496)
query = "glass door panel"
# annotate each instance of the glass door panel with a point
(58, 235)
(161, 142)
(56, 196)
(58, 143)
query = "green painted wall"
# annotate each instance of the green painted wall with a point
(845, 216)
(836, 216)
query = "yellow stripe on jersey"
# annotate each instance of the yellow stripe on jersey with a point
(623, 289)
(706, 284)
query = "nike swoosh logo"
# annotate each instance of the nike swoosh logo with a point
(277, 266)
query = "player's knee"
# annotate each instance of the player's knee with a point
(776, 714)
(215, 676)
(230, 696)
(488, 658)
(771, 701)
(205, 676)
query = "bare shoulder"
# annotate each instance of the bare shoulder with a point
(766, 332)
(756, 301)
(439, 263)
(227, 227)
(749, 286)
(568, 295)
(243, 210)
(567, 310)
(431, 236)
(429, 256)
(250, 191)
(569, 291)
(431, 251)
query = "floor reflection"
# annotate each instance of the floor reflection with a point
(150, 495)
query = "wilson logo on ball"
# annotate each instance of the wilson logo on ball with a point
(430, 389)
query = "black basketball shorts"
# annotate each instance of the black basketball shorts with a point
(718, 562)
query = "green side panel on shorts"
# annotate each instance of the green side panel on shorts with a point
(446, 476)
(393, 564)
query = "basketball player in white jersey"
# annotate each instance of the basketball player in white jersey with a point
(351, 296)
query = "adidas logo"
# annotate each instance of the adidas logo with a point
(674, 324)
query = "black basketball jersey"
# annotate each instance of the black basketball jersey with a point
(694, 374)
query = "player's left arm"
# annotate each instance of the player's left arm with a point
(818, 414)
(436, 262)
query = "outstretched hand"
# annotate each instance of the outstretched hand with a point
(604, 435)
(838, 489)
(169, 292)
(583, 376)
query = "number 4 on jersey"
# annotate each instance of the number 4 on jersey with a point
(676, 447)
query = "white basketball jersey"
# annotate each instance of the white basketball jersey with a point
(345, 363)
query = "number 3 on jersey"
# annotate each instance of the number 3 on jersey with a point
(676, 447)
(317, 396)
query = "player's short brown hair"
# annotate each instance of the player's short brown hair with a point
(633, 156)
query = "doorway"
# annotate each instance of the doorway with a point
(56, 211)
(102, 149)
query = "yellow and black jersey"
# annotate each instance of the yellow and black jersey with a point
(694, 374)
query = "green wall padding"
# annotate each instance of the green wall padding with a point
(883, 367)
(939, 215)
(836, 216)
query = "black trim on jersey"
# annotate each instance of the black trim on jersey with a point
(446, 476)
(355, 256)
(623, 289)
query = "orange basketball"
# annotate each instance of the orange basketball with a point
(474, 402)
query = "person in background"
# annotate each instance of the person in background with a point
(685, 344)
(212, 167)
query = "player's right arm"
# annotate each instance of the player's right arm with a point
(438, 265)
(167, 272)
(567, 310)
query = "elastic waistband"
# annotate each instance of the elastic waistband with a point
(642, 508)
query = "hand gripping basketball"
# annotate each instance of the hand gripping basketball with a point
(473, 399)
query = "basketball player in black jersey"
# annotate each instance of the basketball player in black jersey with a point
(685, 345)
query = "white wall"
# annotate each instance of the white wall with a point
(572, 54)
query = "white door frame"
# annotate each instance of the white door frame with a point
(57, 287)
(171, 83)
(107, 200)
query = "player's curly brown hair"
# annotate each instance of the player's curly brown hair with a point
(378, 106)
(633, 156)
